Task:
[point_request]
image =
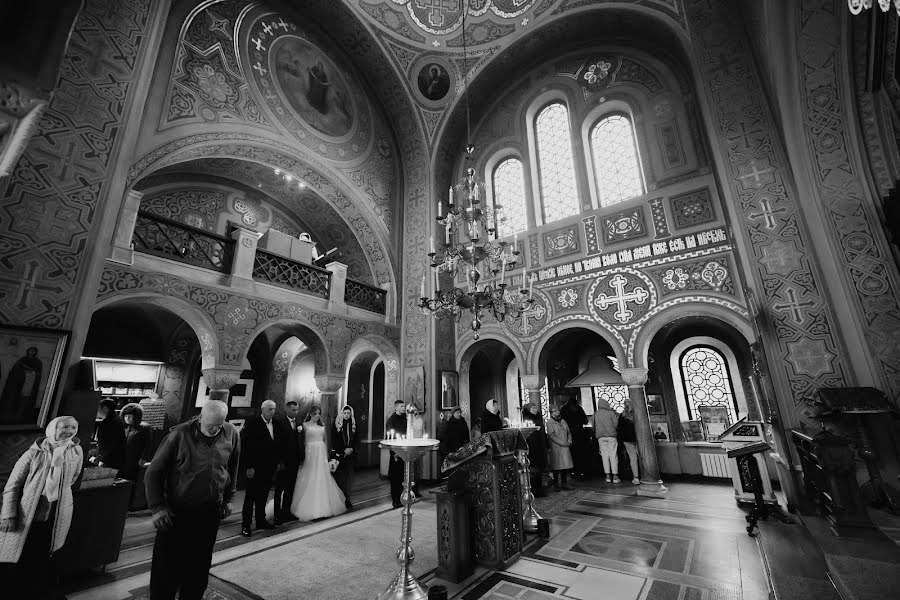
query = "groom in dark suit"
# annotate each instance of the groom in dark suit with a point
(292, 455)
(261, 458)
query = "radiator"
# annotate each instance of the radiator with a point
(715, 465)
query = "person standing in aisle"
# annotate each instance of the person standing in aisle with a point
(605, 422)
(261, 456)
(292, 455)
(190, 483)
(110, 436)
(396, 423)
(344, 441)
(575, 417)
(628, 438)
(560, 443)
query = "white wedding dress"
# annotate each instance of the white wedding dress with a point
(316, 494)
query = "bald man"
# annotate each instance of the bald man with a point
(261, 446)
(190, 483)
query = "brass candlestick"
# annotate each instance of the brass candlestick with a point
(529, 515)
(404, 585)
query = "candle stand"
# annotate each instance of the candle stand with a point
(529, 515)
(404, 585)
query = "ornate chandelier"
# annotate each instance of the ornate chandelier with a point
(857, 6)
(470, 245)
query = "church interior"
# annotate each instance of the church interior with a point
(678, 214)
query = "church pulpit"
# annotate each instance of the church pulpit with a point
(491, 477)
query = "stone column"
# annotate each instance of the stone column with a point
(338, 283)
(651, 484)
(533, 386)
(244, 255)
(220, 380)
(122, 248)
(329, 386)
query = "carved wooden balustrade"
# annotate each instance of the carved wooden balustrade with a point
(367, 297)
(170, 239)
(282, 271)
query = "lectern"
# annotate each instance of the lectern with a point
(739, 435)
(492, 479)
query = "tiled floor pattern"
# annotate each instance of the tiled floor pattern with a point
(612, 545)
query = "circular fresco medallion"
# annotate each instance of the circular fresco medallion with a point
(433, 79)
(620, 297)
(305, 90)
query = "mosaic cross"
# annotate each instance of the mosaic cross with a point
(437, 9)
(780, 258)
(536, 311)
(793, 306)
(767, 213)
(621, 299)
(27, 285)
(754, 173)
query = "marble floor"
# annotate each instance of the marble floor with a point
(605, 543)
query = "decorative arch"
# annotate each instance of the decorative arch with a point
(534, 352)
(199, 321)
(389, 354)
(464, 357)
(639, 345)
(306, 332)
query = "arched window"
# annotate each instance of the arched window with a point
(508, 182)
(556, 165)
(617, 169)
(704, 372)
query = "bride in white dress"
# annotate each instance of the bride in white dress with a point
(316, 494)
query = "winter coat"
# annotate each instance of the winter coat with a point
(490, 422)
(605, 421)
(25, 487)
(560, 440)
(456, 434)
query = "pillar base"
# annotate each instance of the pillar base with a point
(652, 489)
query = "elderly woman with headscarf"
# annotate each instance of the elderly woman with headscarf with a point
(490, 418)
(344, 442)
(37, 508)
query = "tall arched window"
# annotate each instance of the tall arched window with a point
(617, 170)
(508, 183)
(706, 381)
(556, 165)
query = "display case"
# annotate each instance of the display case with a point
(123, 380)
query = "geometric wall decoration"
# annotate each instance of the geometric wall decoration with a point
(658, 215)
(692, 208)
(670, 144)
(706, 274)
(625, 225)
(590, 233)
(620, 297)
(561, 242)
(534, 251)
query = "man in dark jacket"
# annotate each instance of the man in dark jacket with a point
(292, 455)
(261, 459)
(537, 447)
(189, 484)
(396, 423)
(344, 443)
(110, 436)
(576, 419)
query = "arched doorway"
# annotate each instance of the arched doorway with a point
(483, 376)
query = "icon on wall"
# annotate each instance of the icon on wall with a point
(434, 81)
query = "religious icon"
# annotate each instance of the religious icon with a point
(434, 81)
(449, 387)
(30, 360)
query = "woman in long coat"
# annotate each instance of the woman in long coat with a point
(560, 456)
(37, 508)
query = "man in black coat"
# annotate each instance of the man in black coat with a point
(110, 436)
(396, 423)
(261, 457)
(292, 456)
(456, 431)
(344, 443)
(537, 447)
(576, 419)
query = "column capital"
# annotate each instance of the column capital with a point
(329, 383)
(635, 376)
(532, 382)
(221, 377)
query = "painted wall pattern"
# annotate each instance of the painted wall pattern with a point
(692, 208)
(195, 207)
(803, 357)
(869, 271)
(237, 318)
(48, 210)
(624, 225)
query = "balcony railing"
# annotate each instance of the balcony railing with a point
(288, 273)
(365, 296)
(177, 241)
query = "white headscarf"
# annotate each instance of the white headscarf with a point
(339, 420)
(58, 448)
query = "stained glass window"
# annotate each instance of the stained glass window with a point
(617, 170)
(615, 395)
(706, 381)
(556, 166)
(509, 192)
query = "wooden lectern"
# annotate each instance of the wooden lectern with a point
(491, 477)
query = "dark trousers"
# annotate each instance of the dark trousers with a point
(183, 554)
(395, 476)
(284, 490)
(256, 496)
(345, 475)
(580, 457)
(33, 576)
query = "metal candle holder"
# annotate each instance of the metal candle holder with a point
(404, 585)
(529, 515)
